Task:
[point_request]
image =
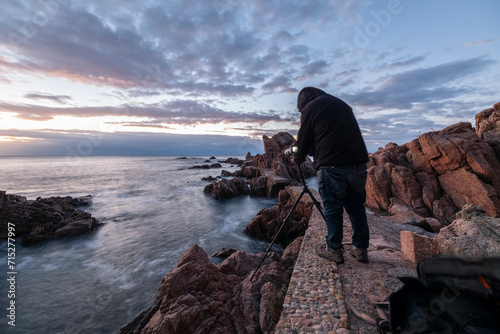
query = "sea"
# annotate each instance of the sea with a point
(153, 209)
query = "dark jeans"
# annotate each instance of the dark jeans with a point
(344, 187)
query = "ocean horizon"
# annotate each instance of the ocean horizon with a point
(153, 209)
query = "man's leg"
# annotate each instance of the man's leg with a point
(332, 185)
(356, 197)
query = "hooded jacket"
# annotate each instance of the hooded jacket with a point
(328, 131)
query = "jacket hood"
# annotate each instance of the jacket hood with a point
(306, 95)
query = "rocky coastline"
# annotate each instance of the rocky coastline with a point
(441, 193)
(421, 186)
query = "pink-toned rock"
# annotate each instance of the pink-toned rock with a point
(268, 221)
(273, 147)
(405, 187)
(488, 127)
(378, 189)
(417, 159)
(390, 154)
(435, 224)
(442, 153)
(258, 186)
(199, 297)
(427, 172)
(227, 188)
(431, 190)
(472, 233)
(292, 250)
(248, 172)
(467, 188)
(416, 247)
(274, 159)
(444, 209)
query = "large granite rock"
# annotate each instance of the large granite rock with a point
(200, 297)
(267, 173)
(488, 127)
(281, 165)
(44, 218)
(472, 233)
(228, 188)
(268, 221)
(439, 172)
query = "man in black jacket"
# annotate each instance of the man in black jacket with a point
(330, 133)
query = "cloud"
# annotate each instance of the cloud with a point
(61, 99)
(184, 112)
(405, 89)
(472, 44)
(146, 45)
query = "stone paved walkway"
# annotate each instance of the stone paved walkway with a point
(318, 290)
(315, 299)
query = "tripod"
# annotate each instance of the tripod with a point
(305, 190)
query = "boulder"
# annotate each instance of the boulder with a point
(416, 247)
(258, 186)
(268, 221)
(233, 161)
(472, 233)
(467, 188)
(488, 127)
(440, 171)
(44, 218)
(224, 252)
(199, 297)
(378, 188)
(281, 165)
(249, 172)
(226, 188)
(405, 187)
(80, 223)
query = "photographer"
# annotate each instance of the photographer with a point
(330, 133)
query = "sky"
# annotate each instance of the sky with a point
(174, 77)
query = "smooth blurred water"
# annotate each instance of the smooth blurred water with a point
(153, 208)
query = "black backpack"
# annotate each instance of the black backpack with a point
(452, 295)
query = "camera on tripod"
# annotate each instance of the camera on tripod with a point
(291, 150)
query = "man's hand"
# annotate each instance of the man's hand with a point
(288, 152)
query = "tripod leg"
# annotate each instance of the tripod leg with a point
(318, 206)
(279, 230)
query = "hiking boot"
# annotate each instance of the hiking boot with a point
(330, 254)
(361, 254)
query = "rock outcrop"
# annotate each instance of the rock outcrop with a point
(268, 221)
(44, 218)
(280, 164)
(439, 172)
(488, 127)
(227, 188)
(472, 233)
(199, 297)
(267, 173)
